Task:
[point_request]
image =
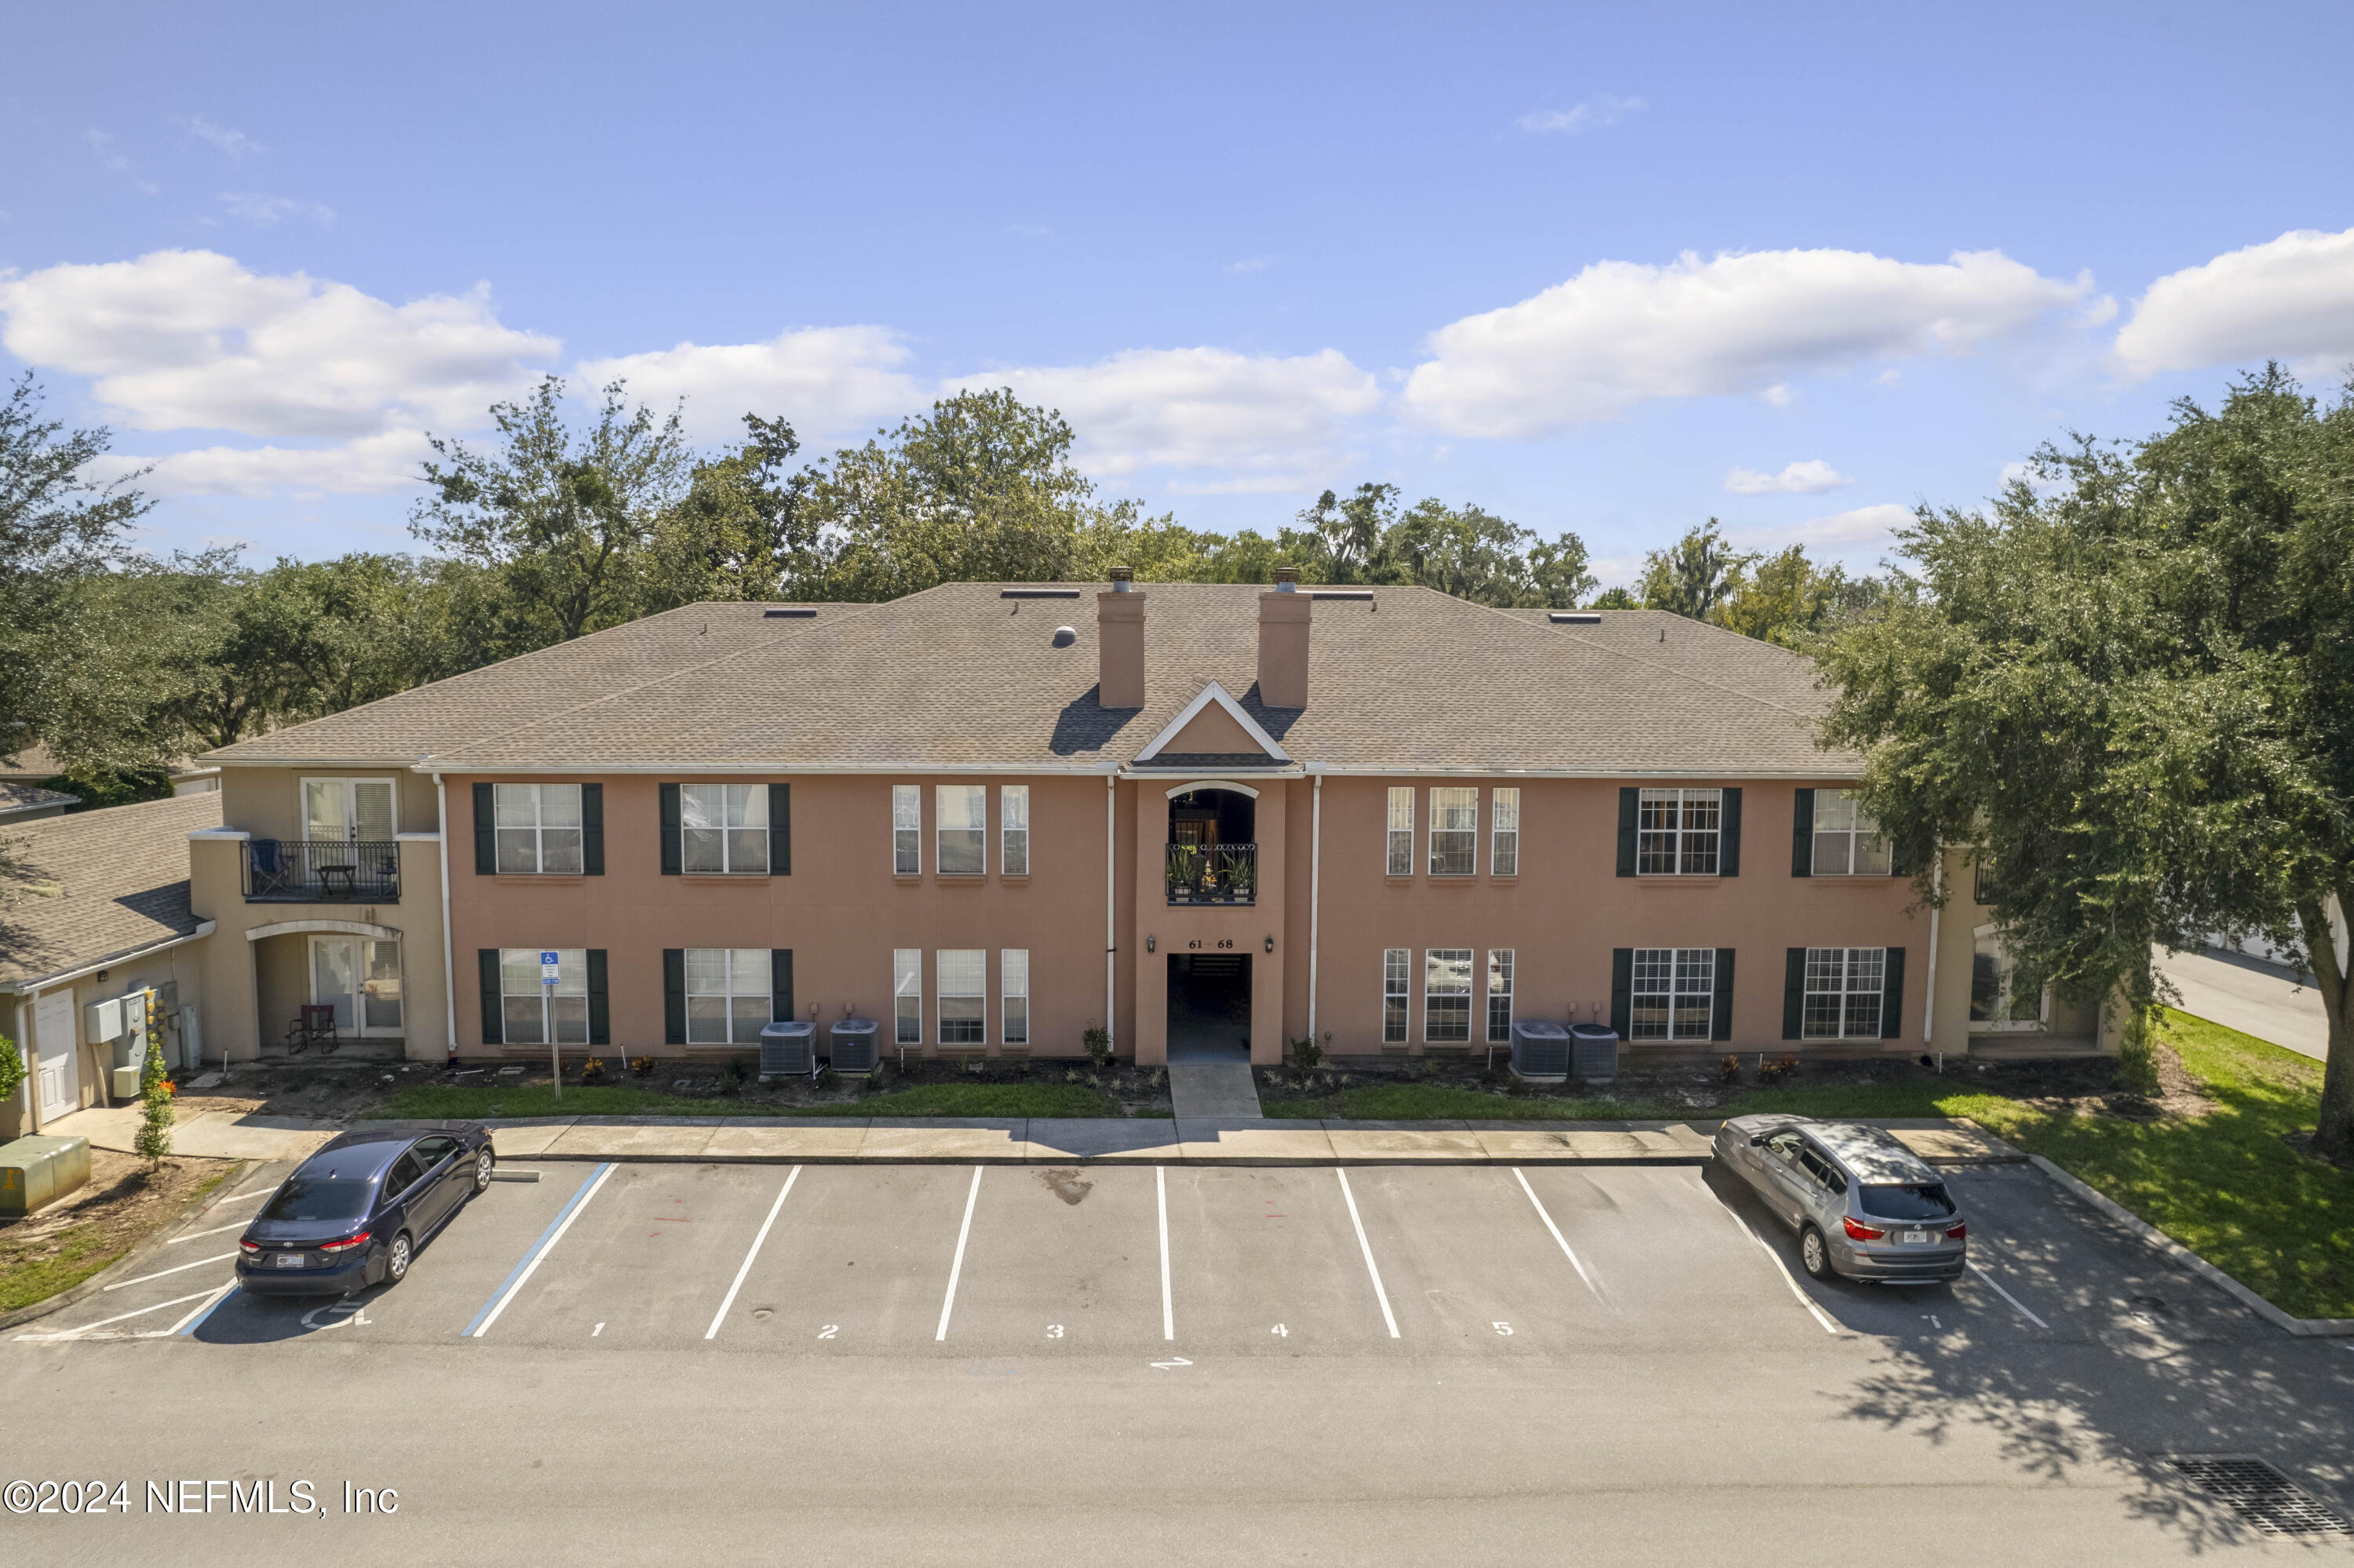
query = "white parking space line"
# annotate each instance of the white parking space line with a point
(1562, 1240)
(546, 1243)
(138, 1312)
(721, 1316)
(2017, 1305)
(182, 1269)
(948, 1304)
(1787, 1277)
(1168, 1307)
(197, 1315)
(1367, 1248)
(246, 1197)
(193, 1236)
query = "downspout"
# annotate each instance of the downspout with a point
(448, 960)
(1111, 908)
(1929, 987)
(1315, 891)
(25, 1009)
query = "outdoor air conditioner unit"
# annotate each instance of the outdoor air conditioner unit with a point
(789, 1048)
(855, 1047)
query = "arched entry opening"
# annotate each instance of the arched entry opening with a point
(1213, 844)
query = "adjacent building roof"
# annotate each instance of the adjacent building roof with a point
(21, 801)
(962, 677)
(97, 886)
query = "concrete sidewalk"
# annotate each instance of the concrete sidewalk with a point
(215, 1135)
(1183, 1141)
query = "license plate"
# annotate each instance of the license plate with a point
(288, 1260)
(1914, 1238)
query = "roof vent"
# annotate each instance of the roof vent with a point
(1065, 635)
(1123, 580)
(787, 614)
(1038, 593)
(1286, 579)
(1365, 594)
(1575, 617)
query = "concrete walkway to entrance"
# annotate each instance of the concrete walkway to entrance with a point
(1213, 1082)
(215, 1135)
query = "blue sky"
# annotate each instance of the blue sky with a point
(1612, 269)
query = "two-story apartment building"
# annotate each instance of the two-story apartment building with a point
(994, 817)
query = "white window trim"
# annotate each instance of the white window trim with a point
(539, 828)
(351, 801)
(899, 995)
(916, 869)
(1634, 997)
(940, 829)
(1431, 863)
(1006, 994)
(360, 1024)
(767, 830)
(1472, 993)
(1006, 795)
(1389, 797)
(546, 993)
(1879, 1021)
(940, 998)
(1496, 835)
(1680, 831)
(1405, 1027)
(1511, 993)
(767, 996)
(1852, 835)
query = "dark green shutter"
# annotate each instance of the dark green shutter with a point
(780, 830)
(1892, 996)
(1802, 836)
(1900, 858)
(1728, 848)
(1794, 994)
(494, 1018)
(670, 839)
(600, 1012)
(592, 829)
(1622, 990)
(1720, 1015)
(674, 991)
(780, 983)
(1630, 803)
(486, 839)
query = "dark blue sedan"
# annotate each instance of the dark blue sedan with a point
(354, 1213)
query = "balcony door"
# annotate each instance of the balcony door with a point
(359, 977)
(347, 811)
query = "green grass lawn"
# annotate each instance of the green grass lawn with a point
(445, 1101)
(73, 1255)
(2227, 1184)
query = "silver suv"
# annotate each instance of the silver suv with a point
(1864, 1206)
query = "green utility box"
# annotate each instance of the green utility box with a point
(37, 1171)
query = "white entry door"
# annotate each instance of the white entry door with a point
(53, 1027)
(359, 977)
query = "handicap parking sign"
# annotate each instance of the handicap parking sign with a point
(547, 962)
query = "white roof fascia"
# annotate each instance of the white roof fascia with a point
(1214, 692)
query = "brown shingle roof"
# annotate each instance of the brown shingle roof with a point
(16, 797)
(958, 676)
(99, 883)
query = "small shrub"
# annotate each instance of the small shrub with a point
(828, 1078)
(1098, 1042)
(592, 1071)
(642, 1067)
(154, 1137)
(1728, 1070)
(731, 1078)
(12, 1068)
(1774, 1072)
(1306, 1053)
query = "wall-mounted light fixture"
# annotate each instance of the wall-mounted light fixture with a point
(1270, 944)
(1151, 943)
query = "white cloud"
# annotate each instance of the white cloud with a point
(1604, 110)
(1251, 264)
(109, 149)
(1256, 416)
(1621, 333)
(1859, 532)
(191, 340)
(823, 380)
(235, 144)
(265, 210)
(2291, 298)
(371, 464)
(1810, 478)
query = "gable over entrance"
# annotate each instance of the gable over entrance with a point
(1214, 725)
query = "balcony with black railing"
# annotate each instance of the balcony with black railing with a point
(1213, 873)
(317, 871)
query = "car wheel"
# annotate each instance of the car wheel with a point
(483, 1164)
(1814, 1254)
(395, 1262)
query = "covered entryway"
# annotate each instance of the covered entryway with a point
(1209, 1007)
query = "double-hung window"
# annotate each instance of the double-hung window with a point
(724, 829)
(964, 995)
(1843, 992)
(907, 830)
(1848, 840)
(1674, 993)
(1504, 825)
(1677, 832)
(535, 1013)
(1401, 859)
(1500, 996)
(1013, 985)
(1454, 832)
(1396, 975)
(907, 996)
(1447, 995)
(538, 828)
(729, 994)
(961, 820)
(1014, 824)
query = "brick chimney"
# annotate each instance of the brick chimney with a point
(1119, 638)
(1283, 642)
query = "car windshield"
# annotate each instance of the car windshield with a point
(326, 1196)
(1912, 1201)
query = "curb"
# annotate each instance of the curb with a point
(2159, 1242)
(141, 1254)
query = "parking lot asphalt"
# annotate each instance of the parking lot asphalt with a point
(1660, 1307)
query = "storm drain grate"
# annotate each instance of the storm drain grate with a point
(2261, 1495)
